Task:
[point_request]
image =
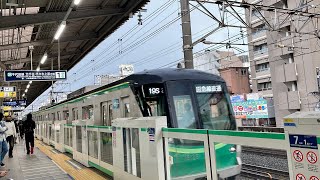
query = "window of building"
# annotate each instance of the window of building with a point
(256, 13)
(262, 67)
(58, 116)
(87, 112)
(258, 30)
(243, 72)
(264, 86)
(263, 48)
(292, 86)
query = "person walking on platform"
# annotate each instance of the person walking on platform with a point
(3, 143)
(11, 134)
(29, 125)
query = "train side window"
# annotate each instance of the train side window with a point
(110, 112)
(126, 110)
(105, 113)
(74, 114)
(184, 112)
(66, 115)
(87, 112)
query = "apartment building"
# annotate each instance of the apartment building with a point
(283, 63)
(233, 69)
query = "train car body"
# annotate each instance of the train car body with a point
(188, 98)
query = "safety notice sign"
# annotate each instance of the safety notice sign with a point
(300, 177)
(297, 155)
(304, 150)
(314, 178)
(312, 157)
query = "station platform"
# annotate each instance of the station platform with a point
(46, 163)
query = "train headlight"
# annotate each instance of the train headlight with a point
(233, 149)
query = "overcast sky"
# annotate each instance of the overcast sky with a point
(107, 56)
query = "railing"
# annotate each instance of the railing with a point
(264, 69)
(209, 148)
(265, 89)
(260, 52)
(188, 153)
(258, 34)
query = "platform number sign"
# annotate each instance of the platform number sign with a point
(304, 156)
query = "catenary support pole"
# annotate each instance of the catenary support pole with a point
(186, 33)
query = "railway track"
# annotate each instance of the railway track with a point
(262, 173)
(273, 152)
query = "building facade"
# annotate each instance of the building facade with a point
(237, 79)
(229, 66)
(283, 61)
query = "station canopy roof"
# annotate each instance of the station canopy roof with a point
(25, 23)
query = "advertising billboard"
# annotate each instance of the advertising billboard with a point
(251, 109)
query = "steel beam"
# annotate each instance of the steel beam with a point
(39, 56)
(82, 36)
(8, 22)
(105, 30)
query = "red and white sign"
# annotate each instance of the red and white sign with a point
(300, 177)
(297, 155)
(314, 178)
(312, 157)
(240, 108)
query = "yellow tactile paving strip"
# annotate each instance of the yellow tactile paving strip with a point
(60, 159)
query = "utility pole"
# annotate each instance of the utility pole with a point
(186, 34)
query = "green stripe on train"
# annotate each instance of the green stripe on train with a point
(263, 135)
(192, 150)
(318, 139)
(193, 131)
(100, 127)
(110, 173)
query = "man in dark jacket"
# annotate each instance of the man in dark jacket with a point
(29, 125)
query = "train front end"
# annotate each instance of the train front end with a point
(207, 106)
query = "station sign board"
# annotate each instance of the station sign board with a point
(7, 88)
(8, 94)
(305, 156)
(29, 75)
(15, 103)
(12, 108)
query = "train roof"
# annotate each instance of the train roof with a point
(170, 74)
(156, 76)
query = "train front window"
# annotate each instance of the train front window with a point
(184, 112)
(154, 100)
(213, 106)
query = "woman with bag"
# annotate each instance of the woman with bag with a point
(11, 133)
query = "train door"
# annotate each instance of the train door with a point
(106, 112)
(125, 106)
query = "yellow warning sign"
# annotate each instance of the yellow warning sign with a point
(288, 120)
(8, 94)
(6, 108)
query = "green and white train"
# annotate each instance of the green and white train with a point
(188, 98)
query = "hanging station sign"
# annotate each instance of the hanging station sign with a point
(15, 103)
(43, 75)
(8, 92)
